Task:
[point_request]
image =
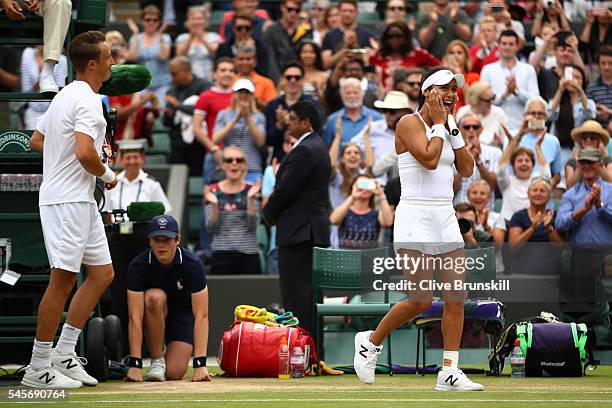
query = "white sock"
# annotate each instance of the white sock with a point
(450, 359)
(48, 67)
(41, 355)
(68, 340)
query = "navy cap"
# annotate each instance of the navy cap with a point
(163, 226)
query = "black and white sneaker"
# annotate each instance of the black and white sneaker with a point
(453, 379)
(71, 366)
(48, 378)
(366, 355)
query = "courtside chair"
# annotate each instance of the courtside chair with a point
(343, 270)
(479, 306)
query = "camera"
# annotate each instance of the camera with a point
(550, 3)
(497, 9)
(465, 225)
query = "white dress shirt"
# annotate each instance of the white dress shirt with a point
(382, 139)
(496, 74)
(142, 188)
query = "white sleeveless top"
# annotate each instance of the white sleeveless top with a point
(422, 186)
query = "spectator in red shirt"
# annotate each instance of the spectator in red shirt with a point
(209, 104)
(397, 51)
(485, 50)
(261, 19)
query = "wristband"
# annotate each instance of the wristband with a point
(438, 131)
(135, 362)
(457, 142)
(199, 362)
(108, 176)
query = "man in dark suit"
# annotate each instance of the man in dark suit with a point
(298, 208)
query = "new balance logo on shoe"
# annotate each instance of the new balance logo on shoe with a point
(46, 377)
(363, 351)
(452, 380)
(69, 363)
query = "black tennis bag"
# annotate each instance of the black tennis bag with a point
(551, 348)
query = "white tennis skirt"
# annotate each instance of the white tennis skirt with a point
(429, 227)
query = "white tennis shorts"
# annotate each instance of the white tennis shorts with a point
(74, 235)
(430, 228)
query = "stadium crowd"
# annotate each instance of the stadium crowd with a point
(533, 100)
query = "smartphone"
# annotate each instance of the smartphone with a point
(497, 9)
(358, 51)
(366, 184)
(568, 73)
(536, 124)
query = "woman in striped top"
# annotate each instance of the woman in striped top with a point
(244, 126)
(231, 211)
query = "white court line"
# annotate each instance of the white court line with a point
(310, 400)
(357, 391)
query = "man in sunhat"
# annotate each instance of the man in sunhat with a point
(382, 132)
(585, 213)
(168, 305)
(590, 134)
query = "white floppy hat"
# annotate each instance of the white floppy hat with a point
(243, 83)
(393, 100)
(443, 77)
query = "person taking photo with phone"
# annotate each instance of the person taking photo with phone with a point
(358, 219)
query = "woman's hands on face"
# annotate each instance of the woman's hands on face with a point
(435, 107)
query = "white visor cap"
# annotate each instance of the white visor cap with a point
(443, 77)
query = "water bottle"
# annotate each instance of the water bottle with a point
(517, 360)
(297, 362)
(283, 359)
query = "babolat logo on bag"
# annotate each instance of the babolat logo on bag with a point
(552, 364)
(553, 349)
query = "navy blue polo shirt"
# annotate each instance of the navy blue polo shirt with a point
(178, 280)
(334, 38)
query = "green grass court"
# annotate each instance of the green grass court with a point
(343, 391)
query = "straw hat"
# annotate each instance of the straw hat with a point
(591, 126)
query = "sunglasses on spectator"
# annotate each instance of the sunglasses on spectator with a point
(293, 77)
(470, 127)
(151, 20)
(396, 8)
(491, 99)
(230, 160)
(292, 9)
(589, 137)
(243, 28)
(399, 36)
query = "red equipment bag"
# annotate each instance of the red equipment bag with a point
(251, 349)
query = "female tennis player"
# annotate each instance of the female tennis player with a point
(426, 226)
